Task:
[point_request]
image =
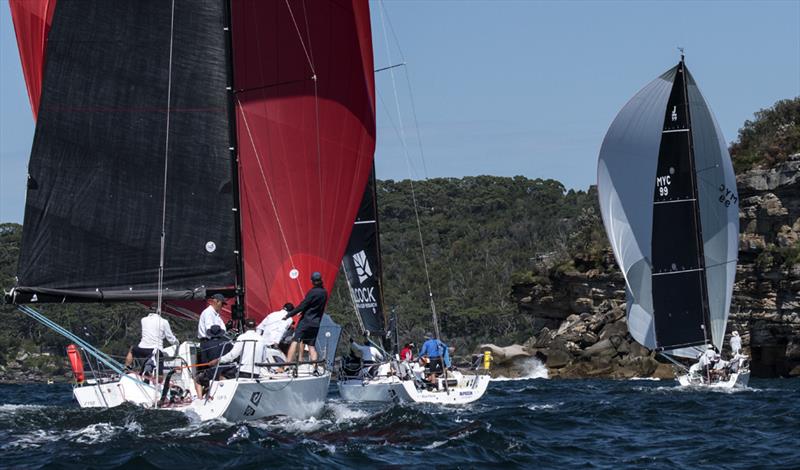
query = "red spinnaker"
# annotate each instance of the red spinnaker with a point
(32, 20)
(305, 110)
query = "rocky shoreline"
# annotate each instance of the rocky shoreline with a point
(579, 317)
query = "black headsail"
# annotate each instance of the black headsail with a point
(363, 268)
(680, 302)
(94, 202)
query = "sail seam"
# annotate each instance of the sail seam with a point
(677, 272)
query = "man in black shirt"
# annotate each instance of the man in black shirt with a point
(312, 307)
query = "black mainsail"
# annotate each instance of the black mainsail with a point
(363, 267)
(99, 153)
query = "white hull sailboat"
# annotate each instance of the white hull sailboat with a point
(453, 388)
(220, 151)
(734, 380)
(667, 194)
(297, 394)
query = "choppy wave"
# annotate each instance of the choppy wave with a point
(532, 368)
(547, 423)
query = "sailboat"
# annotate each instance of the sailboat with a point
(670, 208)
(185, 149)
(388, 380)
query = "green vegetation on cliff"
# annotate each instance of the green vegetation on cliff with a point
(478, 232)
(772, 136)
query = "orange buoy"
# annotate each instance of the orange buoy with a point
(74, 355)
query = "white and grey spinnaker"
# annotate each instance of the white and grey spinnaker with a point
(670, 208)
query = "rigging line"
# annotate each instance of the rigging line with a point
(394, 126)
(416, 123)
(408, 84)
(320, 187)
(166, 167)
(300, 37)
(411, 181)
(269, 191)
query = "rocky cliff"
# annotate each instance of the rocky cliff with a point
(579, 315)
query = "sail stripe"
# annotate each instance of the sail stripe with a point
(678, 272)
(677, 200)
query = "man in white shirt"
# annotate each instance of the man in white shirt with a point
(155, 330)
(366, 352)
(210, 316)
(249, 349)
(273, 326)
(736, 343)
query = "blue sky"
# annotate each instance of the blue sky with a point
(518, 87)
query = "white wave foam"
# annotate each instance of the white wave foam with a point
(9, 408)
(545, 406)
(241, 434)
(343, 413)
(653, 379)
(33, 439)
(532, 368)
(96, 433)
(460, 435)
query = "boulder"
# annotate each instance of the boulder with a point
(557, 358)
(614, 329)
(501, 355)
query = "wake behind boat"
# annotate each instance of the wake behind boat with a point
(670, 208)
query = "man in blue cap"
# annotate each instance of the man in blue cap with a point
(312, 308)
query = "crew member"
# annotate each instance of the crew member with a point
(312, 308)
(407, 353)
(248, 348)
(274, 326)
(214, 347)
(433, 354)
(366, 352)
(155, 330)
(736, 343)
(210, 316)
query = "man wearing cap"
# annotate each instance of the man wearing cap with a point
(312, 307)
(210, 316)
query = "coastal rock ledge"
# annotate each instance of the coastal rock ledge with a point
(578, 316)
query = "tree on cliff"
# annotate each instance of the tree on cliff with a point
(772, 136)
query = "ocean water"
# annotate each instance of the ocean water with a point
(525, 423)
